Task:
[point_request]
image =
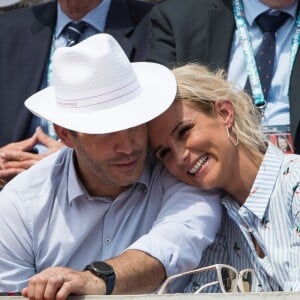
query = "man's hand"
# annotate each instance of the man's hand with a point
(17, 157)
(47, 141)
(59, 282)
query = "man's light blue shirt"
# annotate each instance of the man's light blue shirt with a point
(277, 110)
(48, 219)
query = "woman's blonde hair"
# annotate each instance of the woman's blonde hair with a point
(202, 88)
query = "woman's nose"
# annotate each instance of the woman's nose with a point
(181, 154)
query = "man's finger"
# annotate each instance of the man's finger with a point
(47, 141)
(53, 286)
(19, 156)
(24, 292)
(31, 287)
(24, 145)
(43, 138)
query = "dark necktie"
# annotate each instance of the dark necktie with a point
(264, 58)
(73, 31)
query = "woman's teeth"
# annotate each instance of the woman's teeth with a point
(198, 164)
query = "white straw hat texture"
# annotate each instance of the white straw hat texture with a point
(97, 90)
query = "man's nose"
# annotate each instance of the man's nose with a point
(124, 142)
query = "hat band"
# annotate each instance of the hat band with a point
(104, 100)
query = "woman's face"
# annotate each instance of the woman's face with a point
(193, 146)
(282, 144)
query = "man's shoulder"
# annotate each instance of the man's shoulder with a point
(192, 6)
(137, 9)
(58, 159)
(45, 172)
(140, 6)
(179, 3)
(19, 17)
(15, 16)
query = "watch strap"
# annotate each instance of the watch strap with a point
(110, 283)
(108, 275)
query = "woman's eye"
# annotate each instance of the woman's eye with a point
(183, 130)
(162, 153)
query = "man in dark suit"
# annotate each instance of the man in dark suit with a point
(205, 32)
(28, 38)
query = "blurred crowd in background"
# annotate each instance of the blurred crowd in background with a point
(6, 5)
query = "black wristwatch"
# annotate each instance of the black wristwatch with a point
(104, 271)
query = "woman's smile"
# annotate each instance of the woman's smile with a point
(198, 165)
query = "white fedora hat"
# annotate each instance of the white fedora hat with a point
(97, 90)
(4, 3)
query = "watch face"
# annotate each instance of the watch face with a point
(104, 271)
(102, 267)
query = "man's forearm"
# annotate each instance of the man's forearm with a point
(136, 272)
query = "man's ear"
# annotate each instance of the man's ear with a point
(225, 111)
(64, 135)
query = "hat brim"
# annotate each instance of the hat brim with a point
(158, 90)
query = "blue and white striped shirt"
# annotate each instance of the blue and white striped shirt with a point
(271, 214)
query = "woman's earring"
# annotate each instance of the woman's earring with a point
(231, 139)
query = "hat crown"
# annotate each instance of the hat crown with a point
(97, 90)
(80, 81)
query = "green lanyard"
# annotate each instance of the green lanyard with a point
(245, 42)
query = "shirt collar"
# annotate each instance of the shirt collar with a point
(146, 175)
(75, 188)
(254, 8)
(263, 186)
(265, 181)
(95, 18)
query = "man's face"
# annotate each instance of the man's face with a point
(109, 163)
(278, 4)
(77, 9)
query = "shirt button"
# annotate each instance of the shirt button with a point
(107, 241)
